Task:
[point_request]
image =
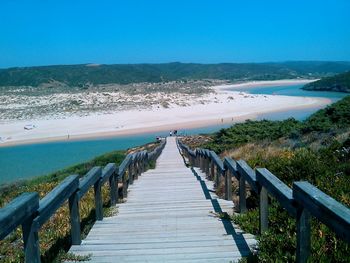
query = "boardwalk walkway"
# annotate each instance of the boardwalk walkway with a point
(170, 216)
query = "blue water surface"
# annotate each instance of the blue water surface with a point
(27, 161)
(292, 90)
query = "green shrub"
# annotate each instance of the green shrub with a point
(328, 169)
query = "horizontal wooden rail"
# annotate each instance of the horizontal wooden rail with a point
(300, 202)
(311, 200)
(217, 161)
(54, 199)
(30, 212)
(88, 180)
(16, 212)
(278, 189)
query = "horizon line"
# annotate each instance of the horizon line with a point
(174, 62)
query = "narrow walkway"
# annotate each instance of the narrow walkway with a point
(170, 216)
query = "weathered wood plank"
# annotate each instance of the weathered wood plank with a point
(54, 199)
(17, 211)
(242, 195)
(231, 166)
(303, 235)
(219, 164)
(263, 210)
(330, 212)
(98, 200)
(89, 180)
(74, 214)
(124, 165)
(248, 174)
(277, 189)
(107, 172)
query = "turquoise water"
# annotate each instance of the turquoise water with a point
(292, 90)
(26, 161)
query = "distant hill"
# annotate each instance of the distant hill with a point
(81, 75)
(339, 83)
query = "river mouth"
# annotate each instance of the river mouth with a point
(27, 161)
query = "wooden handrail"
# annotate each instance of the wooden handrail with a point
(88, 180)
(278, 189)
(219, 164)
(49, 204)
(300, 202)
(28, 211)
(108, 171)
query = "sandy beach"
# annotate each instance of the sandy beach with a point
(220, 107)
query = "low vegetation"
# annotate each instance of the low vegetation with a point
(84, 76)
(54, 235)
(316, 150)
(339, 83)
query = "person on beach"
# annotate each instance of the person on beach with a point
(170, 133)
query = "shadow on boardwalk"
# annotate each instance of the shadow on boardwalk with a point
(238, 238)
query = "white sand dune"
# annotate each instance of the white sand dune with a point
(222, 107)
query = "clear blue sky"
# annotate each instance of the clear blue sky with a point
(46, 32)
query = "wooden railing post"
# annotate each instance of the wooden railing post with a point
(73, 203)
(303, 235)
(242, 195)
(125, 186)
(211, 176)
(198, 160)
(263, 209)
(113, 189)
(31, 241)
(207, 166)
(145, 163)
(140, 165)
(217, 176)
(137, 169)
(98, 200)
(131, 173)
(228, 185)
(204, 164)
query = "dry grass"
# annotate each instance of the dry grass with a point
(250, 151)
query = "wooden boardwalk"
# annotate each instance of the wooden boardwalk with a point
(170, 215)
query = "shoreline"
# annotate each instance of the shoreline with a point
(224, 107)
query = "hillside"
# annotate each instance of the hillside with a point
(95, 74)
(338, 83)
